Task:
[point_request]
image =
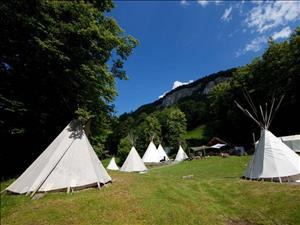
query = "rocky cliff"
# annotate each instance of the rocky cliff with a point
(201, 86)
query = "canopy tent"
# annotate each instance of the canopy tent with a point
(216, 140)
(151, 155)
(202, 149)
(293, 141)
(112, 164)
(69, 162)
(272, 158)
(218, 146)
(133, 162)
(162, 153)
(181, 155)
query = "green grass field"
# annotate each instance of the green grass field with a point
(197, 133)
(214, 195)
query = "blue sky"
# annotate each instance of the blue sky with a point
(181, 41)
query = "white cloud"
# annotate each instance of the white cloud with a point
(176, 84)
(218, 2)
(226, 16)
(284, 33)
(163, 95)
(268, 15)
(203, 3)
(184, 3)
(254, 46)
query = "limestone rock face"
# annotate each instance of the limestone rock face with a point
(200, 87)
(210, 85)
(187, 90)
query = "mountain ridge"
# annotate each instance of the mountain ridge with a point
(201, 86)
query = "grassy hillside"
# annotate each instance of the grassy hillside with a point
(215, 195)
(197, 133)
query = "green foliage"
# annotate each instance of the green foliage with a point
(149, 129)
(173, 124)
(195, 110)
(197, 133)
(124, 148)
(83, 115)
(54, 62)
(220, 97)
(120, 128)
(167, 127)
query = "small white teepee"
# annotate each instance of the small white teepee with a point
(162, 153)
(181, 155)
(112, 164)
(69, 162)
(133, 162)
(151, 155)
(272, 158)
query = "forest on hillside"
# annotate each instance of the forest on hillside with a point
(59, 61)
(274, 74)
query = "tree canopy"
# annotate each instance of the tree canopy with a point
(58, 59)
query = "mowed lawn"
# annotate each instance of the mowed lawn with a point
(214, 195)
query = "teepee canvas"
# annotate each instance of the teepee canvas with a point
(69, 162)
(162, 154)
(181, 155)
(133, 162)
(151, 155)
(272, 158)
(112, 164)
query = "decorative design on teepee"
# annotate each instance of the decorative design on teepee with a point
(272, 158)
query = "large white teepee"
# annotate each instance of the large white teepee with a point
(272, 159)
(162, 153)
(151, 155)
(69, 162)
(133, 162)
(112, 164)
(181, 155)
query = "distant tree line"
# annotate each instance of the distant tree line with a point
(166, 127)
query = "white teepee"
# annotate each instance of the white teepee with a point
(181, 155)
(162, 153)
(69, 162)
(133, 162)
(272, 158)
(151, 155)
(112, 164)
